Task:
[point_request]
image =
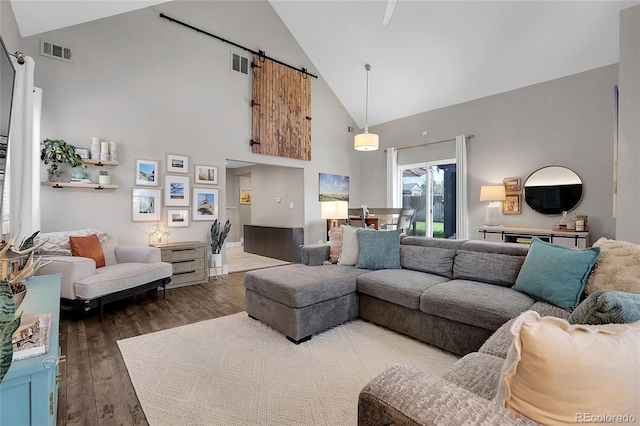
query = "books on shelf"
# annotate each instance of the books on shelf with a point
(80, 180)
(38, 343)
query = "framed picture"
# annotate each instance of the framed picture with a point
(512, 204)
(145, 205)
(206, 174)
(245, 195)
(205, 204)
(512, 185)
(333, 187)
(177, 163)
(177, 218)
(176, 191)
(147, 173)
(82, 152)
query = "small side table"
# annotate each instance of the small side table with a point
(189, 262)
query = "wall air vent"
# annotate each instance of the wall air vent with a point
(56, 51)
(239, 63)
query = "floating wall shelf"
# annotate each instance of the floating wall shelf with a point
(58, 185)
(99, 163)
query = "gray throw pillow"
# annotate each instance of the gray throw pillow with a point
(379, 249)
(607, 307)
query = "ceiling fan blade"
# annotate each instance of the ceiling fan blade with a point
(388, 13)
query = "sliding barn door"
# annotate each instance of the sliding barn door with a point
(281, 111)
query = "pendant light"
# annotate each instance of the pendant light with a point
(366, 141)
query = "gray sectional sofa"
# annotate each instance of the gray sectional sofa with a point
(453, 294)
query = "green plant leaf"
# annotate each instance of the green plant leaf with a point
(8, 325)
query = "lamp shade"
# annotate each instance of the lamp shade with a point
(365, 142)
(334, 209)
(492, 193)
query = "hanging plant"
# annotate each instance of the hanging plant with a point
(58, 152)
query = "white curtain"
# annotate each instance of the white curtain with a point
(393, 189)
(21, 192)
(462, 217)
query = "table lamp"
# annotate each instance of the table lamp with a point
(495, 195)
(334, 210)
(158, 235)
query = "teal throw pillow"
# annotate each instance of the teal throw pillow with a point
(379, 249)
(607, 307)
(556, 274)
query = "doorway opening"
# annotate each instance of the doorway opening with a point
(430, 189)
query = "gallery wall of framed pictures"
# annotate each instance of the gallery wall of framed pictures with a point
(184, 203)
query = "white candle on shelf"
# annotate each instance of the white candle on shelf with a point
(104, 147)
(112, 147)
(95, 141)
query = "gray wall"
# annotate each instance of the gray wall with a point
(568, 121)
(628, 217)
(155, 87)
(9, 28)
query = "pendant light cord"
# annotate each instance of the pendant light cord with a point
(366, 101)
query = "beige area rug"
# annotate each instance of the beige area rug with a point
(237, 371)
(238, 260)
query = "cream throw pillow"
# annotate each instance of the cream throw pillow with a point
(557, 374)
(618, 267)
(350, 249)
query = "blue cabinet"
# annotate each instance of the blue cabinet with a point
(29, 392)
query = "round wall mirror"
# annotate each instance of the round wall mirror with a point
(552, 190)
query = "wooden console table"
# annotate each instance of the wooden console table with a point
(278, 243)
(512, 234)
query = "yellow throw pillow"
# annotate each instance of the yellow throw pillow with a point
(558, 374)
(618, 267)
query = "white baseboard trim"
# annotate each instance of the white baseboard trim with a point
(235, 244)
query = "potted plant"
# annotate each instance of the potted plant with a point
(104, 178)
(57, 152)
(217, 241)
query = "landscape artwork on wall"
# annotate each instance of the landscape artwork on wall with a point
(333, 187)
(245, 195)
(206, 174)
(146, 173)
(205, 204)
(145, 205)
(177, 163)
(178, 218)
(176, 191)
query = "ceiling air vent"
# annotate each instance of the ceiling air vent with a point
(239, 63)
(55, 51)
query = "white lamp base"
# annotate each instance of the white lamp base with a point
(492, 217)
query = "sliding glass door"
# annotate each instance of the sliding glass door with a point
(430, 190)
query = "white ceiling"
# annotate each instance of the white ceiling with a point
(433, 54)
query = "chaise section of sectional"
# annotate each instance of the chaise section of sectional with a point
(300, 300)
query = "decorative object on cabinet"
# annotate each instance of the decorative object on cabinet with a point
(553, 189)
(58, 152)
(188, 260)
(146, 205)
(206, 174)
(178, 218)
(29, 391)
(366, 141)
(177, 163)
(334, 211)
(205, 204)
(511, 205)
(511, 185)
(176, 191)
(158, 235)
(494, 194)
(333, 187)
(517, 234)
(245, 195)
(147, 173)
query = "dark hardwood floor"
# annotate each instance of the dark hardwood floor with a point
(97, 389)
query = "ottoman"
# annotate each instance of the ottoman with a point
(300, 300)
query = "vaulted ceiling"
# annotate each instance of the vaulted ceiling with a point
(433, 53)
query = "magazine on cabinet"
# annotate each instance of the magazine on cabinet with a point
(37, 344)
